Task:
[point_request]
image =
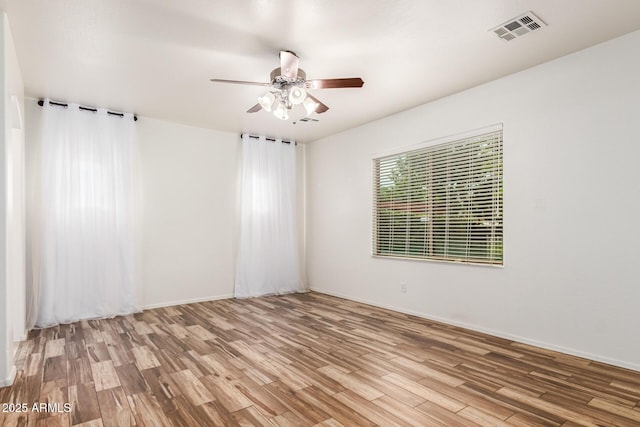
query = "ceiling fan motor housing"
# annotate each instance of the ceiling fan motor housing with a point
(279, 81)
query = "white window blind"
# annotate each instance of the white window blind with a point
(442, 202)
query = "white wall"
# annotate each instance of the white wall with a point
(188, 219)
(15, 195)
(12, 287)
(6, 356)
(571, 205)
(190, 188)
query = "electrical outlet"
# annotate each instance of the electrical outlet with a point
(403, 288)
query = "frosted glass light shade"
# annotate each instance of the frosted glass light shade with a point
(297, 95)
(266, 101)
(281, 112)
(310, 105)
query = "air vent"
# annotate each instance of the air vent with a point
(518, 26)
(308, 119)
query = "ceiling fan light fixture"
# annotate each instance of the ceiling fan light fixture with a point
(266, 101)
(310, 106)
(281, 111)
(297, 95)
(289, 87)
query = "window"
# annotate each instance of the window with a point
(441, 202)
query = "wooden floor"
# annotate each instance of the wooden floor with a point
(304, 360)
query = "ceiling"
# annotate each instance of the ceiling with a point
(155, 57)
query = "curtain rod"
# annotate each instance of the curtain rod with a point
(267, 138)
(62, 104)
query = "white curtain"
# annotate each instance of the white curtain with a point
(83, 218)
(269, 260)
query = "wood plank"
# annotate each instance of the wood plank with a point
(160, 384)
(54, 348)
(191, 387)
(250, 417)
(260, 398)
(92, 423)
(226, 393)
(215, 412)
(406, 413)
(616, 409)
(57, 420)
(79, 371)
(445, 417)
(104, 375)
(131, 379)
(288, 419)
(98, 352)
(525, 420)
(54, 368)
(54, 393)
(147, 411)
(368, 409)
(424, 370)
(145, 359)
(568, 414)
(425, 392)
(308, 414)
(180, 412)
(340, 412)
(482, 418)
(390, 389)
(353, 383)
(114, 408)
(34, 364)
(84, 403)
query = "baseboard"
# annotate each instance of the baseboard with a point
(186, 301)
(22, 337)
(500, 334)
(9, 380)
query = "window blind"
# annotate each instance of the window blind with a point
(442, 202)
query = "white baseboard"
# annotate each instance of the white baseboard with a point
(186, 301)
(20, 338)
(500, 334)
(9, 380)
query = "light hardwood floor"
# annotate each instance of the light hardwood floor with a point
(304, 360)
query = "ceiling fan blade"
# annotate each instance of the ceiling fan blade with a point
(321, 108)
(240, 82)
(334, 83)
(289, 64)
(255, 108)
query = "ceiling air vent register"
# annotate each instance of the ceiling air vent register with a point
(518, 26)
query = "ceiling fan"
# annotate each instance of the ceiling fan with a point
(289, 87)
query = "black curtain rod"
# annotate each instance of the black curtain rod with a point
(267, 138)
(95, 110)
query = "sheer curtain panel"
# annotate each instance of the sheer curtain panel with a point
(83, 217)
(268, 255)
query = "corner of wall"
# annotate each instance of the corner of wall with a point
(12, 281)
(6, 355)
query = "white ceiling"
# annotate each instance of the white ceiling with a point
(155, 57)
